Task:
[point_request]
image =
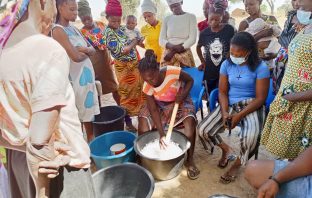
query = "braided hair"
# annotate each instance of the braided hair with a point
(217, 8)
(149, 62)
(58, 4)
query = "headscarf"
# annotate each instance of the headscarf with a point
(84, 8)
(10, 14)
(224, 3)
(149, 6)
(218, 8)
(113, 8)
(171, 2)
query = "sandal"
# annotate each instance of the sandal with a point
(227, 179)
(193, 173)
(223, 165)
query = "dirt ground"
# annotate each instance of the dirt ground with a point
(208, 183)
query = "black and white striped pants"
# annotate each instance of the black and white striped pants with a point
(251, 126)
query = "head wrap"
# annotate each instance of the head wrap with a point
(113, 8)
(10, 13)
(84, 8)
(170, 2)
(217, 7)
(149, 6)
(224, 3)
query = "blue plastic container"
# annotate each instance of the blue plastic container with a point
(100, 149)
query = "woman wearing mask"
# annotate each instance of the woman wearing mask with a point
(288, 129)
(291, 29)
(243, 88)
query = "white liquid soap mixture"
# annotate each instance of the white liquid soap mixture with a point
(153, 150)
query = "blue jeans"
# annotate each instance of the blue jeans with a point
(297, 188)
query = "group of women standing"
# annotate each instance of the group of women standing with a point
(230, 61)
(147, 88)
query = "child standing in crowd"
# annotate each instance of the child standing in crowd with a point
(204, 24)
(82, 74)
(101, 60)
(131, 31)
(216, 42)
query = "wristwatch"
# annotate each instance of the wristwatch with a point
(275, 180)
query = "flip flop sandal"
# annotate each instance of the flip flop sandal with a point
(193, 173)
(220, 165)
(227, 179)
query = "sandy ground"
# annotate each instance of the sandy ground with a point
(208, 183)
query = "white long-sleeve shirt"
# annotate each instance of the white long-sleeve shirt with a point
(177, 29)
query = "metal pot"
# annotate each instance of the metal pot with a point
(123, 180)
(162, 169)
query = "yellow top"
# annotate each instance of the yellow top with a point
(151, 35)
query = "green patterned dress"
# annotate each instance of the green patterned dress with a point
(288, 129)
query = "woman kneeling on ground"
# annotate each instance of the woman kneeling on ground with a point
(164, 87)
(243, 88)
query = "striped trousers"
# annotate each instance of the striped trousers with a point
(251, 126)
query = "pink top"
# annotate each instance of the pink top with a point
(168, 90)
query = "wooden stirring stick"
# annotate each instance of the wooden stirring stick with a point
(173, 117)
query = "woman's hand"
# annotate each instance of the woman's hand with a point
(169, 56)
(298, 27)
(292, 97)
(235, 119)
(180, 97)
(86, 50)
(225, 117)
(179, 48)
(264, 33)
(162, 142)
(268, 190)
(82, 49)
(202, 66)
(126, 50)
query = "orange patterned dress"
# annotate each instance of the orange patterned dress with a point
(127, 72)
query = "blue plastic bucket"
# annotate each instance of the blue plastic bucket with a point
(100, 148)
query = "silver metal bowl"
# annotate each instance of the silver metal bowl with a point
(162, 169)
(123, 181)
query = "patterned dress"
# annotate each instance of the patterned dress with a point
(288, 129)
(82, 79)
(127, 72)
(101, 60)
(165, 96)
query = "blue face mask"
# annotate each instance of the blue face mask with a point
(237, 60)
(304, 17)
